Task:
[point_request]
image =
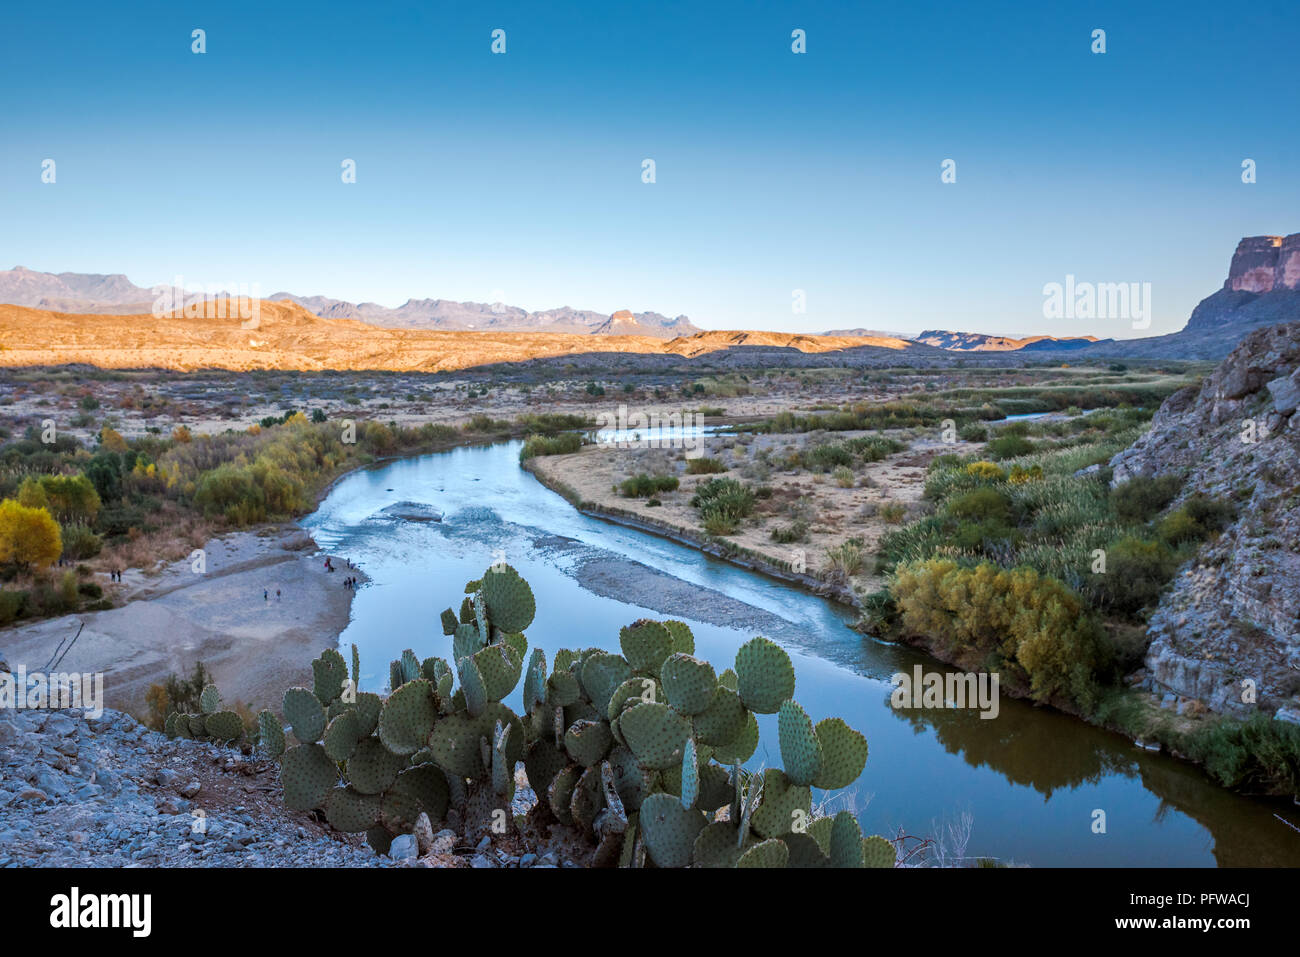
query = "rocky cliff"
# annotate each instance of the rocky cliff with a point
(1234, 612)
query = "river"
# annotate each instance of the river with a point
(1031, 782)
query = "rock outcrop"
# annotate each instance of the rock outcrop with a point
(1265, 263)
(1233, 613)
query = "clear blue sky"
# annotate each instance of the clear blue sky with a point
(520, 174)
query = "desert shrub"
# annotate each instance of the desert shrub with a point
(1030, 627)
(1019, 476)
(845, 560)
(843, 477)
(722, 504)
(563, 444)
(794, 532)
(982, 504)
(873, 448)
(1260, 754)
(987, 471)
(642, 485)
(1008, 447)
(1137, 571)
(1210, 515)
(704, 466)
(822, 458)
(973, 432)
(1140, 499)
(892, 512)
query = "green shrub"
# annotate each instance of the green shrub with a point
(1260, 754)
(79, 543)
(1008, 447)
(845, 560)
(704, 466)
(822, 458)
(642, 485)
(1137, 571)
(873, 448)
(982, 504)
(973, 432)
(796, 531)
(563, 444)
(1140, 499)
(722, 504)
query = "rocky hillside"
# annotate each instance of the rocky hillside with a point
(1234, 613)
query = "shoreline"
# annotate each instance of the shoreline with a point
(262, 607)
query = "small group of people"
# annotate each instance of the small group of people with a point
(115, 575)
(266, 594)
(350, 583)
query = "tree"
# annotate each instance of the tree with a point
(28, 536)
(71, 499)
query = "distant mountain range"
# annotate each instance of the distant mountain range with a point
(979, 342)
(1262, 289)
(116, 295)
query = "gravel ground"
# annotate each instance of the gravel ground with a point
(80, 791)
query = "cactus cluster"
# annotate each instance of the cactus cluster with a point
(640, 751)
(210, 724)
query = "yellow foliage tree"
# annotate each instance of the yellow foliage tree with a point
(28, 536)
(111, 440)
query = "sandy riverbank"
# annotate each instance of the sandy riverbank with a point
(255, 642)
(882, 495)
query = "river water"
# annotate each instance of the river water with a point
(1030, 782)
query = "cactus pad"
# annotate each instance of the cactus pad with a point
(270, 734)
(350, 811)
(770, 853)
(669, 830)
(329, 671)
(846, 841)
(722, 720)
(878, 852)
(210, 699)
(690, 771)
(224, 726)
(560, 793)
(510, 602)
(341, 737)
(717, 846)
(656, 734)
(764, 675)
(588, 742)
(407, 717)
(785, 806)
(683, 640)
(689, 683)
(646, 644)
(801, 752)
(307, 776)
(741, 747)
(427, 785)
(305, 715)
(844, 754)
(602, 674)
(372, 768)
(449, 622)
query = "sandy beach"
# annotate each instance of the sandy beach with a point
(259, 609)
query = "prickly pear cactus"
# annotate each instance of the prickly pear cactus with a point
(641, 751)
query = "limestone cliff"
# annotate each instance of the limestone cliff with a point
(1234, 612)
